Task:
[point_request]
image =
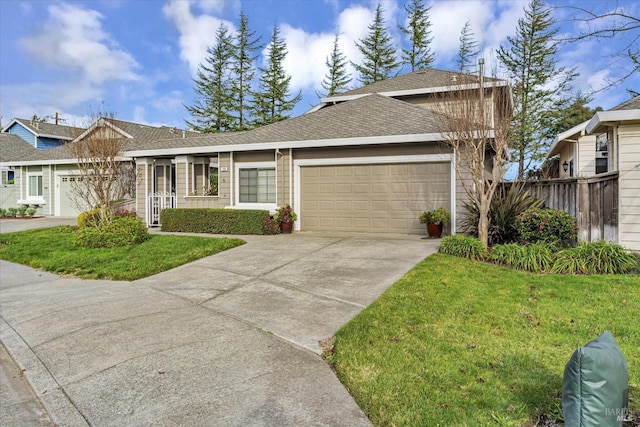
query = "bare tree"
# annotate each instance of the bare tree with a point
(105, 175)
(622, 22)
(475, 124)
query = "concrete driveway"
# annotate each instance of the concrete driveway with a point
(228, 340)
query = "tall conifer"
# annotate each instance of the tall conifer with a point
(379, 55)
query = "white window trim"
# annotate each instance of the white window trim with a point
(271, 207)
(29, 195)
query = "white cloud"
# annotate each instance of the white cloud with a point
(197, 33)
(73, 39)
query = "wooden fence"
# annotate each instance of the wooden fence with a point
(592, 201)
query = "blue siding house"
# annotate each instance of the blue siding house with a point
(42, 135)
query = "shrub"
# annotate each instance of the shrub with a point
(594, 258)
(89, 218)
(536, 258)
(31, 212)
(3, 212)
(463, 246)
(508, 201)
(438, 217)
(270, 226)
(546, 225)
(216, 221)
(11, 212)
(22, 210)
(119, 231)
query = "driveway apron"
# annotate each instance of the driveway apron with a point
(229, 340)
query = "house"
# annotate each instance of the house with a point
(12, 149)
(42, 135)
(368, 160)
(44, 178)
(607, 147)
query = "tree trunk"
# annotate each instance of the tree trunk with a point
(483, 226)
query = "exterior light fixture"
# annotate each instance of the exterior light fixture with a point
(565, 166)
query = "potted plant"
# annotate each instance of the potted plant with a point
(285, 216)
(435, 220)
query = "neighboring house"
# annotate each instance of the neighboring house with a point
(608, 146)
(368, 160)
(44, 178)
(12, 149)
(42, 135)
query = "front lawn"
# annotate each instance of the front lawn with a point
(51, 249)
(460, 342)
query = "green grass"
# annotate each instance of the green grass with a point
(51, 249)
(460, 342)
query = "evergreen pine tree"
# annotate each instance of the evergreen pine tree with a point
(417, 31)
(468, 49)
(246, 44)
(539, 85)
(337, 79)
(379, 54)
(272, 102)
(211, 112)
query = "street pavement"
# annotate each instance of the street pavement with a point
(228, 340)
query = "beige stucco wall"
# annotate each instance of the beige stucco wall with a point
(629, 186)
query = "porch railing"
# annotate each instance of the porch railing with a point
(155, 204)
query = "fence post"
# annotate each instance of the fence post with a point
(584, 211)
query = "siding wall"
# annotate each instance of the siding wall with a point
(23, 133)
(586, 156)
(46, 143)
(629, 186)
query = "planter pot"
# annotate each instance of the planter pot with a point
(434, 230)
(286, 227)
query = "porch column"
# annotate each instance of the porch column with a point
(144, 185)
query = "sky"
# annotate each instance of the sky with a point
(137, 58)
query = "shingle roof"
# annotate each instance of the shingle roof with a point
(142, 135)
(14, 148)
(368, 116)
(421, 79)
(145, 133)
(631, 104)
(50, 129)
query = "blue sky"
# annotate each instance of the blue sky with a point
(138, 57)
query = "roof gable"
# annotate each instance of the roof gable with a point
(46, 130)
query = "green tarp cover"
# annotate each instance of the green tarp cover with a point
(595, 389)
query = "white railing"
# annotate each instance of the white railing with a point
(157, 202)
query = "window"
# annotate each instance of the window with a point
(257, 185)
(602, 153)
(7, 177)
(35, 186)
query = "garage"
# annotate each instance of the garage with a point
(65, 199)
(378, 198)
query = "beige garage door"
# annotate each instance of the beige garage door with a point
(372, 198)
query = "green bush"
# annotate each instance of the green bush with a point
(3, 212)
(119, 231)
(31, 212)
(546, 225)
(463, 246)
(11, 212)
(270, 226)
(508, 201)
(216, 221)
(89, 218)
(594, 258)
(536, 257)
(22, 210)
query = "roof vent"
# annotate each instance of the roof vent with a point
(454, 78)
(184, 134)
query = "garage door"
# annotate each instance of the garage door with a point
(66, 197)
(372, 198)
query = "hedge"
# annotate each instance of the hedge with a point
(216, 221)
